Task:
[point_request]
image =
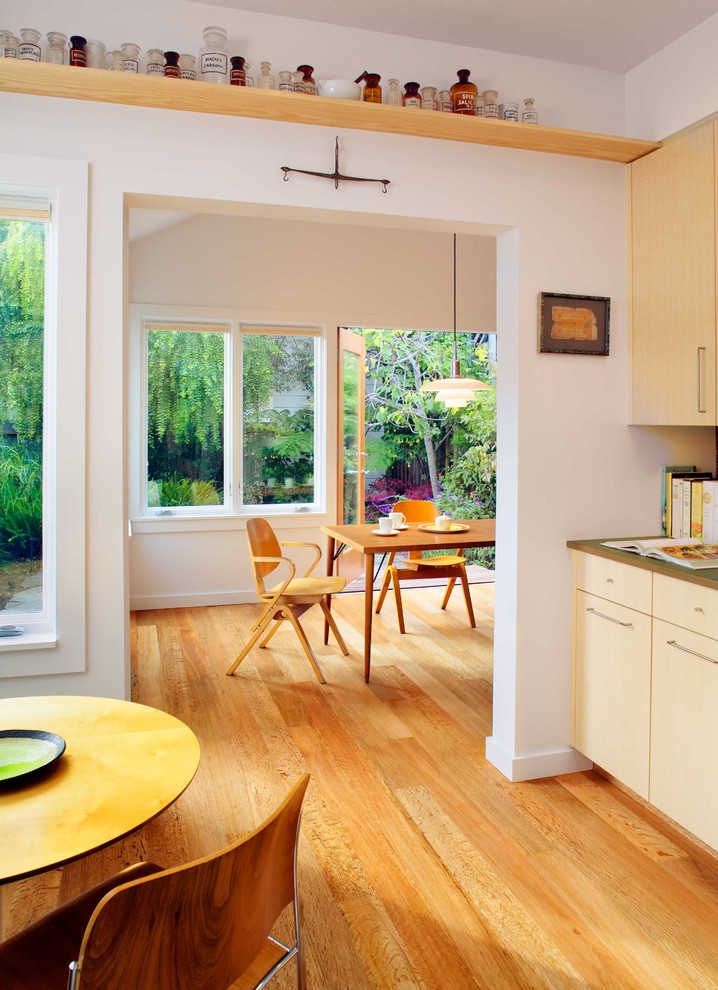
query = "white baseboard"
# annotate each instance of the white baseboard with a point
(193, 601)
(531, 766)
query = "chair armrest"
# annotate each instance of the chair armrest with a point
(277, 560)
(311, 546)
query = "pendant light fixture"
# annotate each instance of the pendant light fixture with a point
(455, 392)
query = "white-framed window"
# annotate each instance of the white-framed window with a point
(43, 270)
(224, 417)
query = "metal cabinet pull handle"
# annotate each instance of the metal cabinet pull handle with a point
(684, 649)
(602, 615)
(701, 354)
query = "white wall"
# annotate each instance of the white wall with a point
(676, 87)
(566, 95)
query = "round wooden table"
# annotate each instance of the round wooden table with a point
(124, 763)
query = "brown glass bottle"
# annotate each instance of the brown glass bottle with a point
(237, 75)
(172, 69)
(464, 94)
(411, 96)
(372, 89)
(78, 52)
(310, 86)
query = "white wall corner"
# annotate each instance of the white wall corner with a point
(531, 766)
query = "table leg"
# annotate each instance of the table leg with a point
(330, 572)
(368, 611)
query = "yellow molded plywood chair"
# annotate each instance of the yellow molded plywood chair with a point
(200, 926)
(291, 597)
(450, 566)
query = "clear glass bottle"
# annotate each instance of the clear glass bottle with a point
(444, 101)
(372, 89)
(528, 114)
(29, 47)
(78, 51)
(310, 87)
(265, 80)
(464, 94)
(96, 54)
(411, 96)
(509, 111)
(286, 81)
(8, 44)
(188, 66)
(237, 76)
(491, 104)
(393, 96)
(172, 70)
(480, 105)
(428, 98)
(155, 62)
(213, 55)
(56, 47)
(130, 57)
(248, 77)
(298, 82)
(118, 61)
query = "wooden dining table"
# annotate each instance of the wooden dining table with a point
(123, 764)
(365, 539)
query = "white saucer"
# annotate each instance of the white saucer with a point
(394, 532)
(402, 526)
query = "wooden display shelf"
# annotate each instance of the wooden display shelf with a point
(43, 79)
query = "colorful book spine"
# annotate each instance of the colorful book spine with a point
(710, 508)
(667, 492)
(696, 510)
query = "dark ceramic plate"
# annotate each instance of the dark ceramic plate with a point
(26, 751)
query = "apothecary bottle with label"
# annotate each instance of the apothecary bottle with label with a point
(213, 55)
(237, 75)
(155, 62)
(265, 80)
(187, 66)
(528, 114)
(480, 105)
(56, 47)
(96, 54)
(78, 51)
(172, 65)
(464, 94)
(428, 98)
(491, 104)
(411, 96)
(118, 61)
(394, 94)
(372, 89)
(310, 86)
(130, 57)
(286, 81)
(8, 44)
(443, 101)
(509, 111)
(248, 77)
(29, 47)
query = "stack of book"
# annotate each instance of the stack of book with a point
(690, 504)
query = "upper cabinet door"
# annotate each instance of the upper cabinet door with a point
(673, 237)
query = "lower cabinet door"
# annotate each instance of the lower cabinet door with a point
(684, 729)
(612, 684)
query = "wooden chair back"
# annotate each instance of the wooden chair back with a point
(198, 926)
(417, 511)
(262, 543)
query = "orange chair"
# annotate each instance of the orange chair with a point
(291, 597)
(450, 566)
(200, 926)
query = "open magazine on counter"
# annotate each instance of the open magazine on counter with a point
(687, 552)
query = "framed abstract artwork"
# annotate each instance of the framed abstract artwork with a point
(571, 324)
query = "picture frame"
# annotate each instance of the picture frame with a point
(572, 324)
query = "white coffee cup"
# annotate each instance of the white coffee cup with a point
(385, 525)
(443, 522)
(397, 519)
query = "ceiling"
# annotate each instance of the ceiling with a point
(605, 34)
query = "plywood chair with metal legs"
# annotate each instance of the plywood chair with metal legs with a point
(200, 926)
(416, 567)
(291, 597)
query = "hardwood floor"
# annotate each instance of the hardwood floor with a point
(420, 865)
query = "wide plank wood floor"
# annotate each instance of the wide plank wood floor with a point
(420, 865)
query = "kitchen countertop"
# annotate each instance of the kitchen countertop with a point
(707, 577)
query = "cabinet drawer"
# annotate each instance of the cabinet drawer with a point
(621, 583)
(684, 604)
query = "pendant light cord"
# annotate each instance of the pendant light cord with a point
(455, 350)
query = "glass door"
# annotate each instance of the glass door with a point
(351, 470)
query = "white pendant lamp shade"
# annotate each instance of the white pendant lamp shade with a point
(455, 392)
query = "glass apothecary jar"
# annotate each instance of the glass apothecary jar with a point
(491, 104)
(29, 47)
(509, 111)
(213, 55)
(130, 57)
(237, 75)
(118, 61)
(286, 81)
(444, 101)
(96, 53)
(265, 80)
(248, 77)
(411, 96)
(155, 62)
(56, 47)
(428, 98)
(172, 65)
(78, 51)
(464, 94)
(372, 89)
(8, 44)
(187, 66)
(394, 94)
(529, 114)
(309, 85)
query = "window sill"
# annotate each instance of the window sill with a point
(208, 524)
(28, 641)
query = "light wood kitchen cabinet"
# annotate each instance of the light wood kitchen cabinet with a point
(673, 281)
